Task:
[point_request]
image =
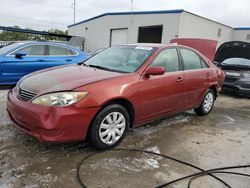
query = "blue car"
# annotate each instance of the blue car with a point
(19, 59)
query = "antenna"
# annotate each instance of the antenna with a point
(74, 7)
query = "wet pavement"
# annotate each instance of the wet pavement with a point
(220, 139)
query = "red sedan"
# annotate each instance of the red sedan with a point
(121, 87)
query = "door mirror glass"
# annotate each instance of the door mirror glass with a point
(20, 54)
(157, 70)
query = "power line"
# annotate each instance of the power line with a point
(53, 5)
(30, 19)
(46, 4)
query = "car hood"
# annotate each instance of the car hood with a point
(204, 46)
(233, 49)
(63, 78)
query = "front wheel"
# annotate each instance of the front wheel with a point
(207, 104)
(109, 127)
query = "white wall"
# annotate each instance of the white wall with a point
(241, 35)
(193, 26)
(98, 33)
(183, 25)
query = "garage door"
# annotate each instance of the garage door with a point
(118, 36)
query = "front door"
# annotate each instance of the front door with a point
(162, 94)
(14, 68)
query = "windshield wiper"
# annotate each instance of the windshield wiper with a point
(82, 63)
(100, 67)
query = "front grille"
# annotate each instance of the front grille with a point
(25, 95)
(231, 79)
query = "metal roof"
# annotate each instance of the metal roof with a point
(129, 13)
(34, 32)
(242, 28)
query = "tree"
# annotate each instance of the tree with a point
(18, 36)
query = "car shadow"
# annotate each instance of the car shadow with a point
(6, 87)
(234, 95)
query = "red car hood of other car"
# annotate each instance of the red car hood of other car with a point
(204, 46)
(64, 78)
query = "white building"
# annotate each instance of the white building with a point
(151, 26)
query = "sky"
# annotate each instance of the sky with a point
(47, 14)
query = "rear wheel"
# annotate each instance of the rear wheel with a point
(207, 104)
(109, 127)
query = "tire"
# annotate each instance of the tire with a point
(207, 104)
(104, 132)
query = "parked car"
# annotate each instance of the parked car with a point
(19, 59)
(234, 58)
(122, 86)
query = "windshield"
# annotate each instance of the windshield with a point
(7, 48)
(237, 61)
(120, 58)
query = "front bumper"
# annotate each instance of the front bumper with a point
(50, 124)
(238, 87)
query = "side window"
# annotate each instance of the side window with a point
(56, 50)
(33, 50)
(203, 64)
(190, 59)
(168, 59)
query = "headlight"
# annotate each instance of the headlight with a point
(59, 99)
(246, 75)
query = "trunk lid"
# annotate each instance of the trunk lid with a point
(204, 46)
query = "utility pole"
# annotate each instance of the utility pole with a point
(132, 11)
(74, 6)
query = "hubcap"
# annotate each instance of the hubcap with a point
(208, 102)
(112, 128)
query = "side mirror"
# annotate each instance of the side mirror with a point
(155, 71)
(20, 54)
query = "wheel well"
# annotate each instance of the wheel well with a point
(123, 102)
(214, 90)
(126, 104)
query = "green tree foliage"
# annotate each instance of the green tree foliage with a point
(18, 36)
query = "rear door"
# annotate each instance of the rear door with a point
(15, 68)
(58, 55)
(196, 75)
(162, 94)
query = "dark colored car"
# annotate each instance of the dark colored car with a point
(234, 59)
(22, 58)
(120, 87)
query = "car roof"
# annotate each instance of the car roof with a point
(42, 42)
(155, 45)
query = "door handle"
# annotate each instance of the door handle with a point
(208, 74)
(68, 60)
(41, 60)
(179, 79)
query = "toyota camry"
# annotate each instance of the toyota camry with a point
(119, 88)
